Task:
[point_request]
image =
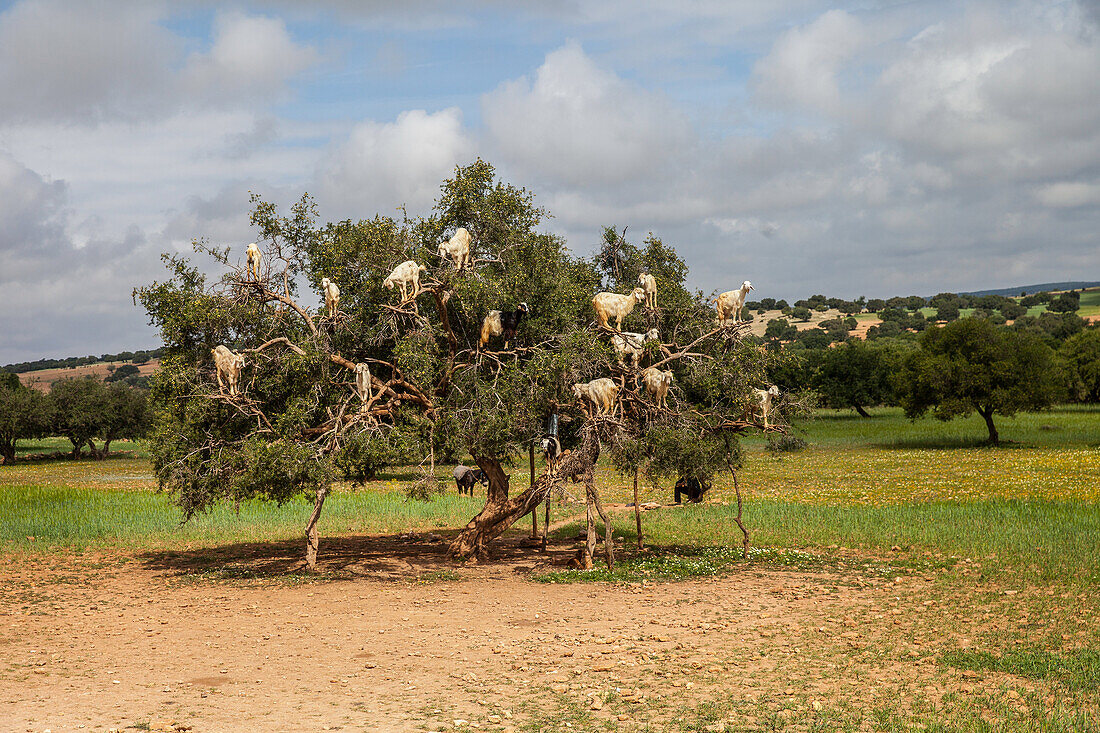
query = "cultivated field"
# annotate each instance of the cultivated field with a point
(904, 577)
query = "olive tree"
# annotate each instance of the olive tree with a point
(298, 418)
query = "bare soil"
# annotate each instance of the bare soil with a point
(43, 379)
(393, 636)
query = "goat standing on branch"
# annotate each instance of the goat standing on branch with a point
(600, 392)
(457, 248)
(362, 385)
(252, 257)
(332, 296)
(501, 323)
(764, 398)
(730, 303)
(406, 276)
(229, 365)
(632, 345)
(657, 383)
(614, 305)
(648, 283)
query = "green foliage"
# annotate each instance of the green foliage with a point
(1082, 355)
(971, 365)
(365, 454)
(297, 422)
(122, 372)
(859, 374)
(24, 414)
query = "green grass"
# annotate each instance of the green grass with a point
(1031, 507)
(1077, 669)
(81, 517)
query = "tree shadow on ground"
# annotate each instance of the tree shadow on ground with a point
(404, 557)
(947, 443)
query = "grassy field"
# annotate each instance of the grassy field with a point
(865, 485)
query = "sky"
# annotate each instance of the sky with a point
(869, 148)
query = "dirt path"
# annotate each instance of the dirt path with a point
(406, 641)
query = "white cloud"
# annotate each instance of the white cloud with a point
(579, 124)
(383, 165)
(251, 59)
(802, 67)
(1069, 194)
(82, 62)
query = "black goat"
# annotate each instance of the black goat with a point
(466, 477)
(691, 487)
(509, 322)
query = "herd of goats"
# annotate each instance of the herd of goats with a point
(601, 393)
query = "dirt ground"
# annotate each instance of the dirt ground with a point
(393, 636)
(43, 379)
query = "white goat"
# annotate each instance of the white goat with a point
(614, 305)
(731, 302)
(332, 295)
(657, 383)
(252, 253)
(649, 285)
(632, 345)
(764, 397)
(405, 275)
(363, 385)
(229, 365)
(457, 248)
(600, 392)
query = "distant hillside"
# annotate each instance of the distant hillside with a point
(1029, 289)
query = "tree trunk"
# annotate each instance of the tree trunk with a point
(312, 536)
(860, 411)
(637, 509)
(535, 511)
(737, 490)
(498, 514)
(7, 452)
(77, 445)
(994, 438)
(106, 447)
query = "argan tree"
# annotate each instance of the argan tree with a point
(297, 418)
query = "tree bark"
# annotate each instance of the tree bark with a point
(312, 536)
(498, 514)
(637, 509)
(535, 511)
(7, 452)
(744, 532)
(860, 411)
(994, 438)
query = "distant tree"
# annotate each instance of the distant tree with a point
(767, 303)
(814, 338)
(1065, 303)
(781, 304)
(126, 416)
(973, 366)
(1053, 328)
(779, 329)
(874, 305)
(1012, 310)
(24, 415)
(914, 302)
(858, 374)
(120, 373)
(885, 329)
(802, 313)
(79, 407)
(1082, 355)
(947, 312)
(945, 299)
(1036, 299)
